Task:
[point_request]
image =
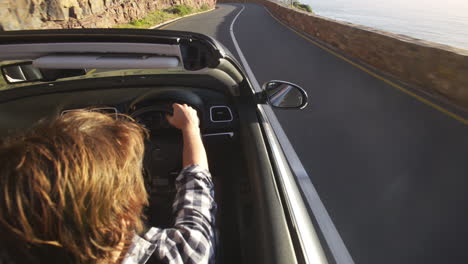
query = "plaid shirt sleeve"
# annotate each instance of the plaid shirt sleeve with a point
(191, 240)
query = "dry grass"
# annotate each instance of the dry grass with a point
(161, 16)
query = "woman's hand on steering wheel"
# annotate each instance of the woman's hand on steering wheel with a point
(184, 117)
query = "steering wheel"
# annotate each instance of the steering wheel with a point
(151, 109)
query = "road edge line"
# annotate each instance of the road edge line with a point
(404, 90)
(327, 227)
(239, 52)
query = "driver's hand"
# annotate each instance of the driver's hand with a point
(184, 117)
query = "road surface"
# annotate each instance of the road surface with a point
(391, 171)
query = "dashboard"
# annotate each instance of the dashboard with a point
(215, 109)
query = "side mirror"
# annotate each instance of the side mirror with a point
(25, 72)
(281, 94)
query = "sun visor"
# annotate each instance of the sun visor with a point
(129, 61)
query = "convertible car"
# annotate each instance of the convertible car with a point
(263, 216)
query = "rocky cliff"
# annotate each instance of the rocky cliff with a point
(45, 14)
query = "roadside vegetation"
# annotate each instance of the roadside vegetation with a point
(161, 16)
(301, 6)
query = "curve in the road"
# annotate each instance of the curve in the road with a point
(372, 73)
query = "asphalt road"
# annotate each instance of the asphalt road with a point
(391, 170)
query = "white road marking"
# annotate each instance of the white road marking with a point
(241, 55)
(328, 229)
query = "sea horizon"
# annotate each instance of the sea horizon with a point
(444, 23)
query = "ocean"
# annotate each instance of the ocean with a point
(441, 21)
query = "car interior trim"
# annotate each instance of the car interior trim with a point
(230, 134)
(220, 121)
(229, 66)
(36, 50)
(275, 238)
(106, 62)
(230, 82)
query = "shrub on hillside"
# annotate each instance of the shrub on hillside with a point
(137, 23)
(204, 7)
(302, 6)
(181, 10)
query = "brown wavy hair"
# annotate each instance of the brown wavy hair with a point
(71, 189)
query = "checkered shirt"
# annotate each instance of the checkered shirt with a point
(192, 238)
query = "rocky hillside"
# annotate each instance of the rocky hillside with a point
(44, 14)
